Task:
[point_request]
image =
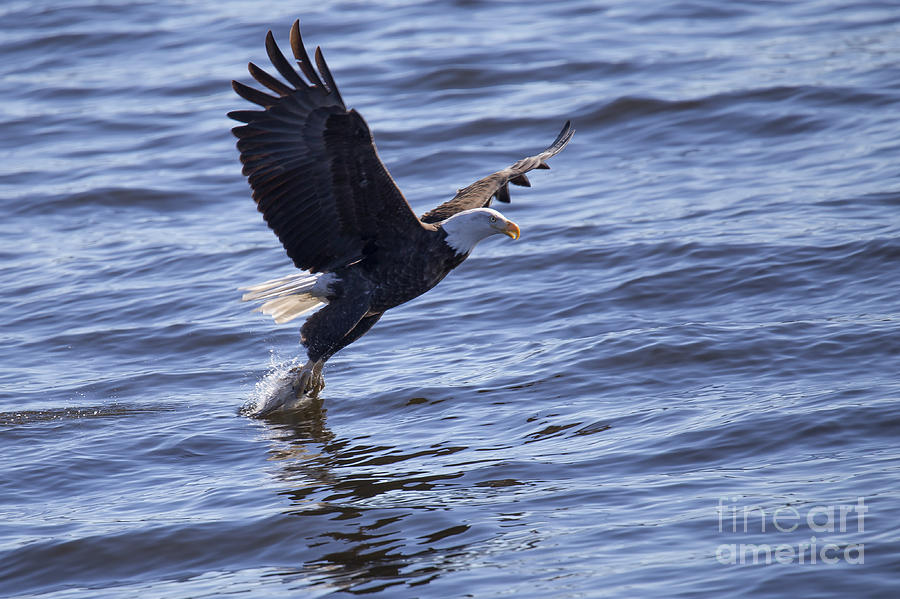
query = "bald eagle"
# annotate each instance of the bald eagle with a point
(320, 186)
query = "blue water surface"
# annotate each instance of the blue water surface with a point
(681, 381)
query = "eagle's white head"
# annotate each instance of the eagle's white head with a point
(465, 229)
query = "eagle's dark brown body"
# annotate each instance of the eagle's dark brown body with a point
(361, 295)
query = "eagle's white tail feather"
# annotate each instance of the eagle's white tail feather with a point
(295, 283)
(286, 309)
(291, 296)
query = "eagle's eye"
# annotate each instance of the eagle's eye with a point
(493, 219)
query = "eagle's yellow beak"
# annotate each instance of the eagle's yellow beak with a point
(512, 229)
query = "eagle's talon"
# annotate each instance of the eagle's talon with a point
(317, 380)
(308, 379)
(302, 379)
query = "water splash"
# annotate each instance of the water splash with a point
(275, 392)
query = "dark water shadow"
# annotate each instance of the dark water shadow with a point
(16, 418)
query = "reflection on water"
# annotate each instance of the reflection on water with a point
(305, 424)
(361, 507)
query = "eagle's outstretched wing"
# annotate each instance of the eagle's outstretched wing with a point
(480, 193)
(313, 167)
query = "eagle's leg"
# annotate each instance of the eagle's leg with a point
(326, 332)
(361, 328)
(310, 380)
